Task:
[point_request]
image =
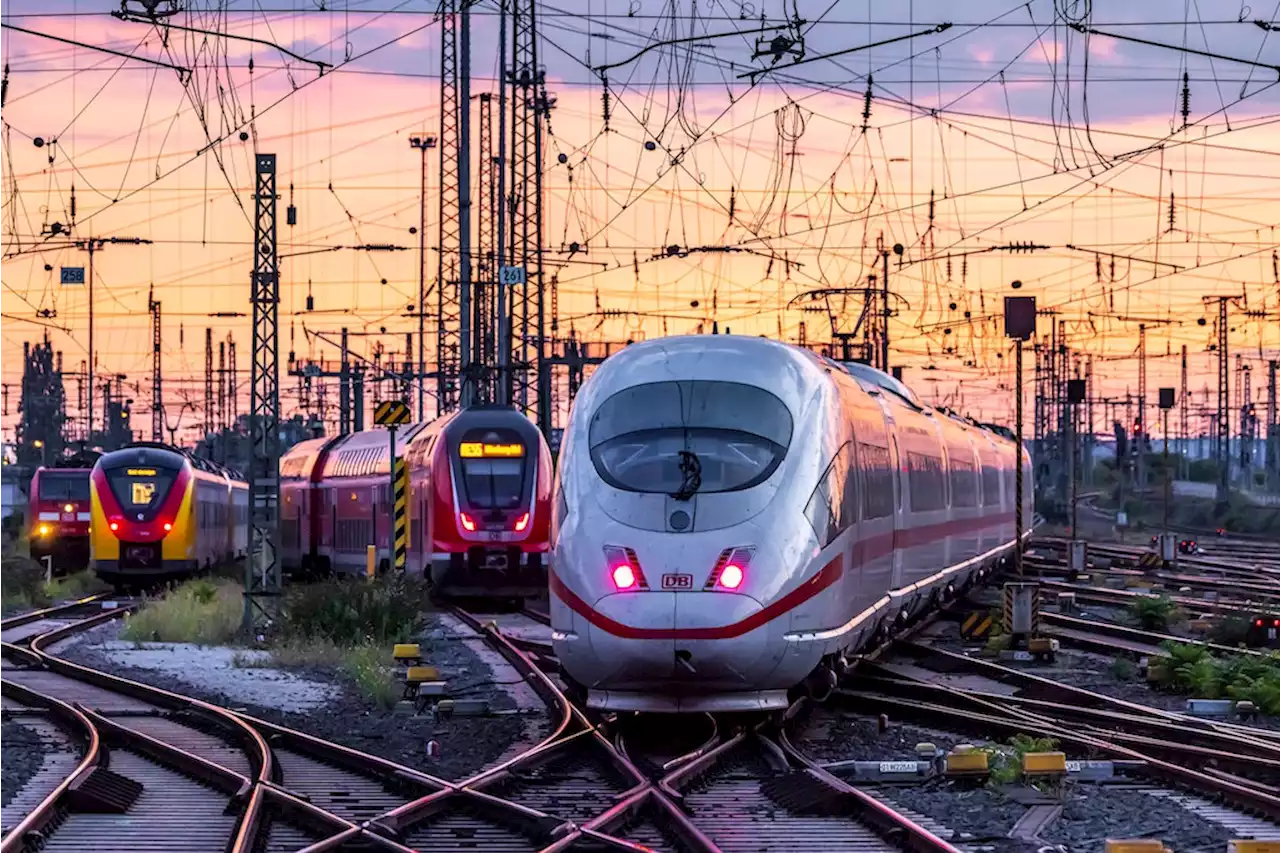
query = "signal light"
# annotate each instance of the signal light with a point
(522, 522)
(468, 523)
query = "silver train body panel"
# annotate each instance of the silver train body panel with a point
(843, 503)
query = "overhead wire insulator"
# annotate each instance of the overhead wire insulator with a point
(1186, 98)
(1097, 268)
(733, 202)
(604, 97)
(1172, 210)
(866, 106)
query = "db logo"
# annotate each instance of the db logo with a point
(675, 581)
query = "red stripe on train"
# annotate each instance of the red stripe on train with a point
(864, 551)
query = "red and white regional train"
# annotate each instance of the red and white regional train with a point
(735, 516)
(479, 503)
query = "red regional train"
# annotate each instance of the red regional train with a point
(479, 503)
(58, 510)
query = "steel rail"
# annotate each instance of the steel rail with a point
(50, 612)
(28, 830)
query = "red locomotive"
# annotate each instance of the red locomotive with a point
(479, 503)
(59, 517)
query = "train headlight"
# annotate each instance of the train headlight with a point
(68, 508)
(43, 530)
(624, 568)
(522, 523)
(623, 577)
(468, 523)
(167, 527)
(114, 526)
(731, 576)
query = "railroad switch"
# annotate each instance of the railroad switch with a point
(967, 762)
(1044, 765)
(1253, 845)
(1136, 845)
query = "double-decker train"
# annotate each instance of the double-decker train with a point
(479, 503)
(159, 513)
(58, 516)
(736, 516)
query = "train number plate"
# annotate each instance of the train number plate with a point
(677, 581)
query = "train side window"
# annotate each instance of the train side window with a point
(928, 485)
(964, 483)
(877, 481)
(990, 485)
(832, 507)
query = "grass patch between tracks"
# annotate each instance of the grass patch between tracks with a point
(344, 625)
(203, 611)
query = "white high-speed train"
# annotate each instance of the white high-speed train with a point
(734, 516)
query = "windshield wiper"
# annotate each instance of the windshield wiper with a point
(691, 474)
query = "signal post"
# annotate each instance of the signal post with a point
(391, 414)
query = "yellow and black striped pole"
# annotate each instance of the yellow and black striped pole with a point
(400, 487)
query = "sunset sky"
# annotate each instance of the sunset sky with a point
(1009, 127)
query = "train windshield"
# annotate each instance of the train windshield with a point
(689, 437)
(493, 469)
(64, 487)
(140, 490)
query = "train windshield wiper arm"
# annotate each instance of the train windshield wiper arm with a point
(691, 472)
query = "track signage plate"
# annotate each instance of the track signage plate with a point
(899, 767)
(677, 581)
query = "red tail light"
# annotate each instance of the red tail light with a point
(1259, 623)
(624, 568)
(731, 568)
(522, 522)
(468, 523)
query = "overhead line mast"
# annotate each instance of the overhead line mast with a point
(262, 586)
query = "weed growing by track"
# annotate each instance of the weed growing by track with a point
(1005, 762)
(203, 611)
(22, 584)
(1192, 670)
(1155, 614)
(352, 624)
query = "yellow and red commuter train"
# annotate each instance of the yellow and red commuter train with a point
(159, 513)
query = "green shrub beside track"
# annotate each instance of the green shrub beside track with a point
(24, 588)
(1194, 671)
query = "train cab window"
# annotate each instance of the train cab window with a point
(493, 468)
(697, 436)
(64, 487)
(140, 490)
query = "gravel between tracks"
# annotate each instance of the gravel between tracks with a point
(24, 752)
(983, 817)
(467, 744)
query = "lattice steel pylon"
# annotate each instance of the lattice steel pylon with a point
(157, 390)
(484, 328)
(528, 104)
(449, 319)
(262, 585)
(208, 380)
